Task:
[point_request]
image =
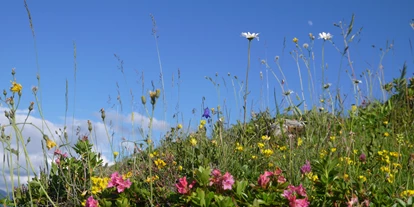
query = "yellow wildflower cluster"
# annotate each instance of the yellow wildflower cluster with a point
(362, 178)
(346, 177)
(152, 179)
(179, 126)
(312, 177)
(160, 163)
(127, 175)
(407, 193)
(99, 184)
(267, 152)
(202, 124)
(193, 141)
(282, 148)
(347, 160)
(260, 145)
(239, 147)
(300, 141)
(153, 154)
(384, 156)
(323, 153)
(265, 138)
(332, 138)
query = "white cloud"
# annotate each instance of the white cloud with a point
(35, 127)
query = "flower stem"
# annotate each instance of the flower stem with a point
(246, 90)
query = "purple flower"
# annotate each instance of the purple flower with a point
(306, 168)
(362, 157)
(206, 113)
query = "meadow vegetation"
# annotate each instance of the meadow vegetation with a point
(343, 156)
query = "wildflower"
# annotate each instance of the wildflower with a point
(270, 164)
(203, 122)
(227, 181)
(90, 202)
(265, 138)
(159, 163)
(264, 179)
(362, 157)
(323, 153)
(180, 168)
(254, 157)
(214, 142)
(295, 40)
(305, 45)
(362, 178)
(390, 178)
(118, 182)
(182, 185)
(354, 108)
(306, 168)
(291, 194)
(50, 144)
(179, 126)
(354, 200)
(386, 134)
(325, 36)
(311, 36)
(16, 88)
(116, 154)
(333, 149)
(260, 145)
(239, 147)
(282, 148)
(206, 113)
(332, 138)
(250, 36)
(193, 141)
(407, 193)
(267, 152)
(385, 122)
(300, 141)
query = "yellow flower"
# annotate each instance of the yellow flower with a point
(16, 88)
(99, 184)
(332, 138)
(300, 141)
(239, 147)
(282, 148)
(355, 151)
(154, 154)
(394, 154)
(50, 144)
(265, 138)
(386, 134)
(203, 122)
(254, 157)
(333, 149)
(260, 145)
(193, 141)
(407, 193)
(267, 152)
(354, 108)
(174, 163)
(270, 164)
(116, 154)
(179, 126)
(323, 153)
(295, 40)
(214, 142)
(346, 177)
(159, 163)
(127, 175)
(385, 122)
(362, 178)
(385, 169)
(390, 178)
(180, 168)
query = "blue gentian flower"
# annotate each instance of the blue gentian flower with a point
(206, 113)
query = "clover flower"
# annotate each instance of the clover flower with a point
(306, 168)
(250, 36)
(325, 36)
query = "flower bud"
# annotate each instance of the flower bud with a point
(31, 106)
(143, 100)
(103, 114)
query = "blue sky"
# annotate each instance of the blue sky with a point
(198, 37)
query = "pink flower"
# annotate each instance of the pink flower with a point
(118, 182)
(216, 177)
(301, 190)
(306, 168)
(291, 194)
(299, 203)
(281, 179)
(182, 185)
(57, 161)
(264, 179)
(227, 181)
(90, 202)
